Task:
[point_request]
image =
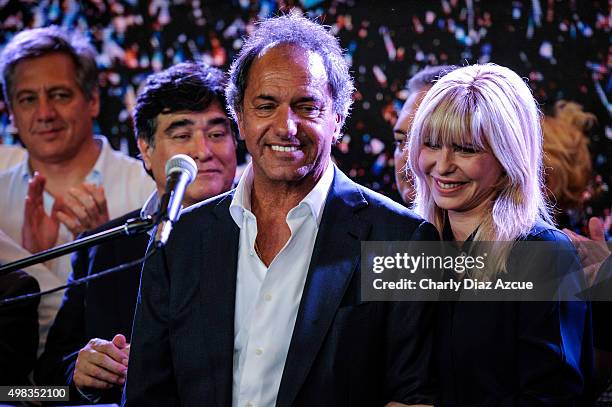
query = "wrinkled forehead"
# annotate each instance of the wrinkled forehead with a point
(278, 54)
(48, 69)
(288, 66)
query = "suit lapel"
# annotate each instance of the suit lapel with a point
(131, 280)
(218, 291)
(335, 256)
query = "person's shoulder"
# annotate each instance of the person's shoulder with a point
(117, 156)
(384, 206)
(121, 220)
(116, 161)
(391, 220)
(209, 217)
(8, 173)
(11, 156)
(544, 232)
(17, 282)
(127, 185)
(208, 206)
(13, 184)
(548, 242)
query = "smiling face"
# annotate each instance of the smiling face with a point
(400, 134)
(51, 113)
(204, 136)
(287, 120)
(460, 178)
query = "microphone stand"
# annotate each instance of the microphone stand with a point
(133, 226)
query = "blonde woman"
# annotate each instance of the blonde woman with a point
(567, 161)
(476, 152)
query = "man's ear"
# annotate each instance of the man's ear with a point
(337, 128)
(94, 105)
(12, 126)
(233, 128)
(239, 125)
(145, 151)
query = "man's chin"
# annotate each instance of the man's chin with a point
(203, 192)
(51, 155)
(287, 173)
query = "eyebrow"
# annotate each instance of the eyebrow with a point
(266, 97)
(188, 122)
(217, 120)
(299, 100)
(307, 99)
(24, 92)
(177, 124)
(51, 89)
(400, 132)
(58, 87)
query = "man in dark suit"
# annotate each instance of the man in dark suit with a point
(255, 301)
(180, 111)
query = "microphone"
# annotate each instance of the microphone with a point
(181, 170)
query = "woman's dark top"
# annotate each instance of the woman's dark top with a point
(516, 353)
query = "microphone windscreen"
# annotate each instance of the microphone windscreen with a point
(182, 162)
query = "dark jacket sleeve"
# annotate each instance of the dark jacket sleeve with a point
(67, 334)
(86, 311)
(150, 380)
(602, 307)
(18, 328)
(410, 340)
(555, 337)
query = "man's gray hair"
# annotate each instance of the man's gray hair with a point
(309, 35)
(39, 42)
(428, 76)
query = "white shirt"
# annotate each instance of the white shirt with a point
(268, 298)
(49, 304)
(150, 206)
(126, 185)
(10, 155)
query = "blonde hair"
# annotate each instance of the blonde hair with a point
(490, 107)
(566, 155)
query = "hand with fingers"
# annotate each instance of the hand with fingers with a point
(592, 250)
(83, 208)
(102, 364)
(40, 230)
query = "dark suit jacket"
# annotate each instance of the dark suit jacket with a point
(343, 352)
(98, 309)
(18, 328)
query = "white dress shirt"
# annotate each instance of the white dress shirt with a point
(49, 304)
(150, 206)
(126, 185)
(10, 155)
(268, 298)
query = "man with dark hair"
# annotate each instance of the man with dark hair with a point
(418, 86)
(70, 180)
(179, 111)
(255, 300)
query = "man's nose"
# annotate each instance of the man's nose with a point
(200, 148)
(45, 109)
(286, 122)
